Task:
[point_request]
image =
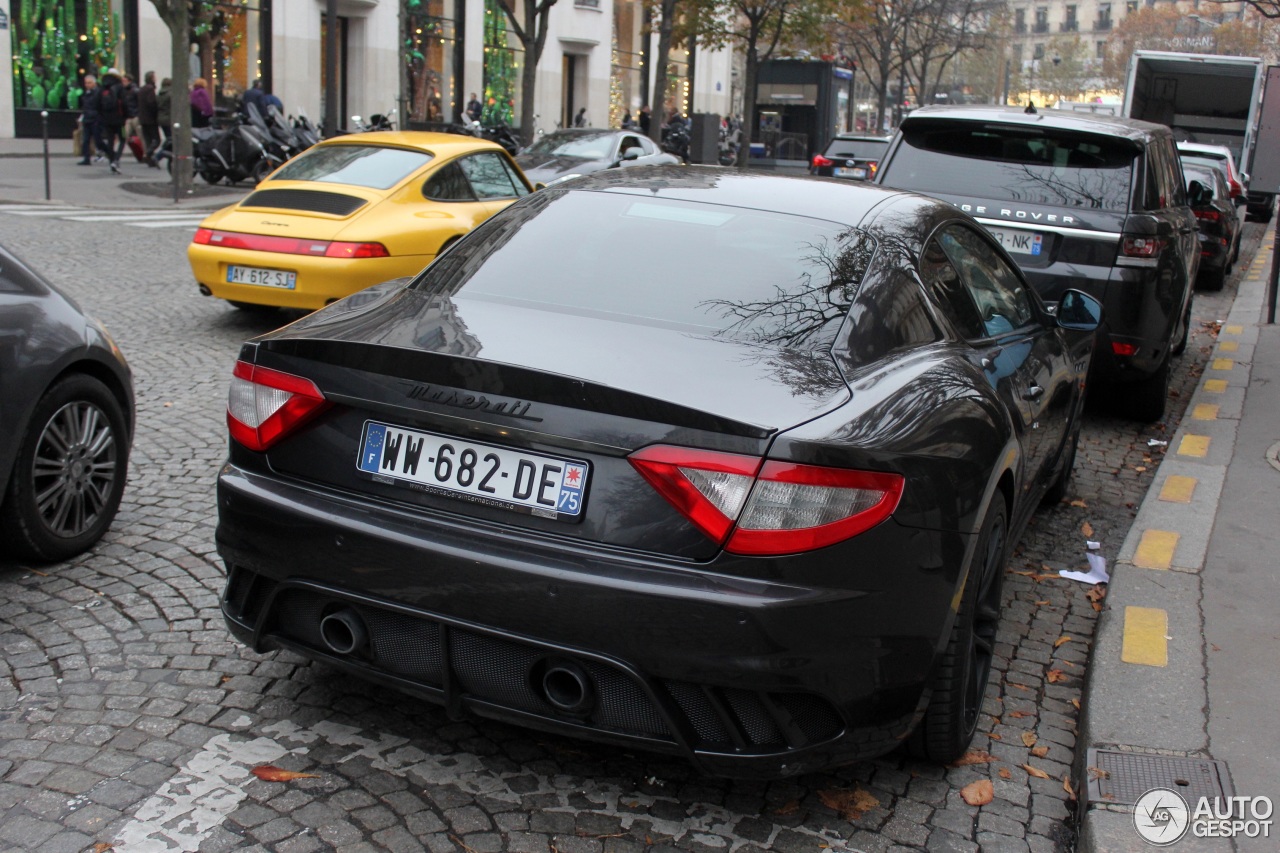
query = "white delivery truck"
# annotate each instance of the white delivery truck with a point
(1204, 98)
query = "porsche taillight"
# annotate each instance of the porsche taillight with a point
(768, 507)
(265, 405)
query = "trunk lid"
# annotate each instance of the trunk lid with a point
(296, 209)
(502, 380)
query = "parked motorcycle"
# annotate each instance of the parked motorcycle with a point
(233, 153)
(377, 121)
(676, 139)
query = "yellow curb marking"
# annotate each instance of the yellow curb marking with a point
(1222, 364)
(1228, 346)
(1178, 489)
(1215, 386)
(1146, 631)
(1155, 550)
(1194, 445)
(1233, 329)
(1205, 412)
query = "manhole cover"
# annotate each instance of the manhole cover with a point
(1123, 777)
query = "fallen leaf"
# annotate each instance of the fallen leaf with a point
(1042, 602)
(973, 756)
(1035, 771)
(978, 793)
(168, 405)
(271, 773)
(995, 736)
(1139, 468)
(1080, 504)
(1066, 786)
(1029, 738)
(1005, 773)
(787, 808)
(1040, 751)
(1087, 530)
(1021, 687)
(1020, 714)
(1215, 647)
(1056, 675)
(1099, 773)
(1028, 573)
(1061, 641)
(850, 805)
(1076, 703)
(102, 847)
(1039, 578)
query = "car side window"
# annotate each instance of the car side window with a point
(1153, 195)
(646, 145)
(629, 142)
(449, 183)
(1177, 184)
(942, 280)
(999, 293)
(489, 175)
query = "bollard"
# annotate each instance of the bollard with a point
(1275, 274)
(44, 126)
(173, 153)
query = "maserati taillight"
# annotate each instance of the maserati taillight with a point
(768, 507)
(266, 405)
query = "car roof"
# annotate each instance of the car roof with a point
(1127, 128)
(439, 144)
(832, 199)
(1199, 148)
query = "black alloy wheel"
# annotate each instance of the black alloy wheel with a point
(960, 684)
(70, 471)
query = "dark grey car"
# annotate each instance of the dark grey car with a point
(567, 154)
(66, 420)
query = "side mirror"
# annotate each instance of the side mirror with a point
(355, 119)
(1198, 195)
(539, 186)
(632, 154)
(1079, 311)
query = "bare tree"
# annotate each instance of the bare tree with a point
(531, 28)
(176, 16)
(937, 32)
(665, 11)
(874, 32)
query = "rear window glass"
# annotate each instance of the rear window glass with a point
(862, 149)
(726, 272)
(1205, 177)
(1012, 164)
(359, 165)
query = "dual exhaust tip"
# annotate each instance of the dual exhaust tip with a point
(560, 682)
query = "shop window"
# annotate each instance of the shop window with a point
(54, 45)
(503, 58)
(429, 60)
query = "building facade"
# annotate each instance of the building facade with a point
(423, 58)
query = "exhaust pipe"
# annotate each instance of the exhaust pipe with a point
(567, 687)
(343, 631)
(205, 291)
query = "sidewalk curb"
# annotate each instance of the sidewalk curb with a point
(1147, 690)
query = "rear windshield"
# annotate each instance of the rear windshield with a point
(1014, 164)
(370, 166)
(861, 149)
(727, 272)
(1204, 176)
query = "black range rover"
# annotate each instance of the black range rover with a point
(1084, 201)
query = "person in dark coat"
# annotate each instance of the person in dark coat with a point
(164, 104)
(149, 117)
(255, 96)
(644, 119)
(88, 119)
(474, 108)
(129, 92)
(112, 120)
(201, 103)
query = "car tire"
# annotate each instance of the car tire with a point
(260, 171)
(75, 455)
(1145, 399)
(212, 176)
(1058, 490)
(1213, 280)
(960, 684)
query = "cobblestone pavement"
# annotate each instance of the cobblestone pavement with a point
(129, 718)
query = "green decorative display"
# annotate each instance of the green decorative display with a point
(501, 69)
(55, 43)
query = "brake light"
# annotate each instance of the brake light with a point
(1141, 247)
(819, 161)
(265, 405)
(356, 250)
(757, 507)
(873, 166)
(1124, 349)
(1236, 189)
(288, 245)
(1208, 215)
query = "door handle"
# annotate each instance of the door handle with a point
(989, 360)
(1035, 392)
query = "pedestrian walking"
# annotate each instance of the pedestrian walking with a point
(580, 120)
(201, 103)
(111, 116)
(149, 117)
(88, 119)
(129, 90)
(164, 104)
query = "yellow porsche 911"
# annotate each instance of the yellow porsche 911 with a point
(351, 212)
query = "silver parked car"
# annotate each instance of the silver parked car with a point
(568, 154)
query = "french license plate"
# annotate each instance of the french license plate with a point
(1017, 242)
(481, 473)
(859, 172)
(266, 278)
